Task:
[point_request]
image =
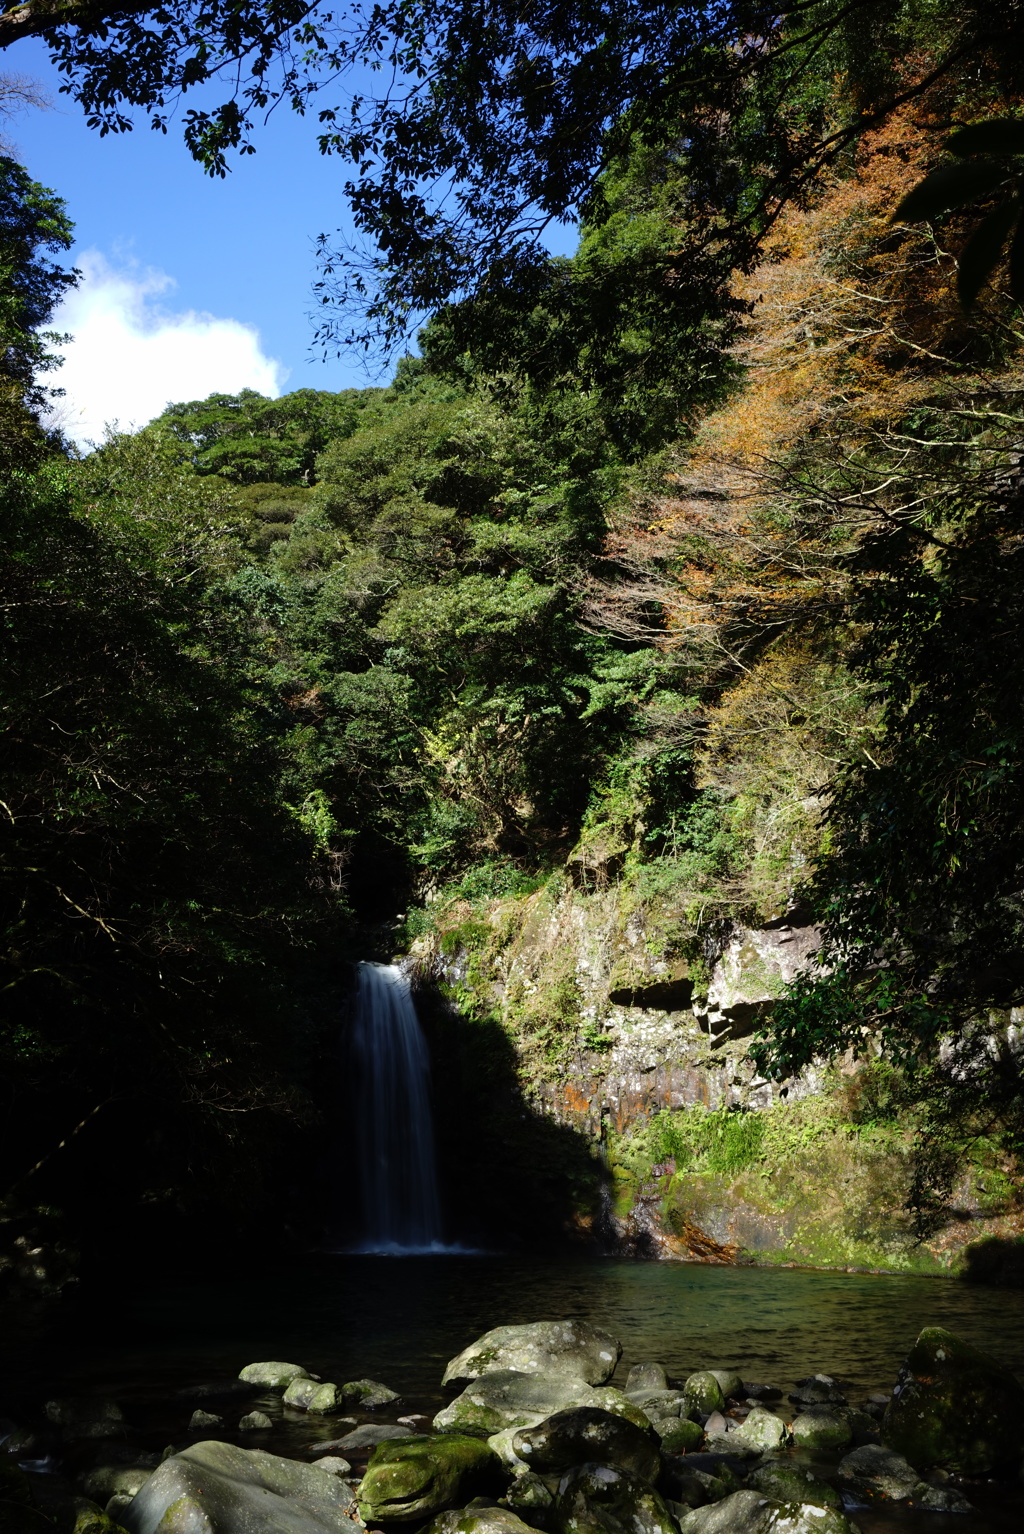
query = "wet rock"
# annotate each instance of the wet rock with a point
(511, 1399)
(333, 1464)
(417, 1421)
(587, 1434)
(367, 1395)
(646, 1377)
(529, 1494)
(478, 1520)
(762, 1430)
(108, 1481)
(785, 1482)
(411, 1479)
(677, 1435)
(661, 1403)
(955, 1406)
(254, 1422)
(729, 1383)
(598, 1499)
(821, 1429)
(560, 1350)
(748, 1512)
(272, 1376)
(704, 1393)
(874, 1471)
(202, 1419)
(818, 1390)
(940, 1499)
(85, 1418)
(306, 1395)
(218, 1488)
(369, 1436)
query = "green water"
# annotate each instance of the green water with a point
(400, 1319)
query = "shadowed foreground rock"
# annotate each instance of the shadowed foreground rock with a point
(956, 1407)
(588, 1434)
(568, 1350)
(216, 1488)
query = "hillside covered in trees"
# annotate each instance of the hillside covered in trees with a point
(686, 567)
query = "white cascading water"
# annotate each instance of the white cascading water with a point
(393, 1120)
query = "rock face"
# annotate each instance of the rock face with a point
(410, 1479)
(272, 1376)
(508, 1399)
(595, 1499)
(216, 1488)
(587, 1434)
(566, 1350)
(956, 1407)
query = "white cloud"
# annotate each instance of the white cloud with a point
(130, 357)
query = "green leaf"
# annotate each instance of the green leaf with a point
(983, 250)
(1017, 262)
(949, 188)
(999, 135)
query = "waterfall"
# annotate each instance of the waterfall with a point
(393, 1121)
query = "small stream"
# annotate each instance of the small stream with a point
(399, 1320)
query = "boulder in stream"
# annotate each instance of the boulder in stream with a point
(818, 1390)
(824, 1428)
(598, 1499)
(478, 1520)
(218, 1488)
(309, 1395)
(367, 1395)
(874, 1471)
(588, 1434)
(704, 1393)
(254, 1422)
(411, 1479)
(762, 1430)
(558, 1350)
(273, 1376)
(784, 1481)
(750, 1512)
(86, 1417)
(645, 1377)
(678, 1435)
(956, 1407)
(512, 1399)
(202, 1419)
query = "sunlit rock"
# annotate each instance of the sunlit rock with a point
(570, 1350)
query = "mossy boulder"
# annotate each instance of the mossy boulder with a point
(558, 1350)
(785, 1482)
(367, 1395)
(587, 1434)
(598, 1499)
(822, 1429)
(762, 1430)
(678, 1435)
(411, 1479)
(956, 1407)
(750, 1512)
(703, 1393)
(511, 1399)
(273, 1375)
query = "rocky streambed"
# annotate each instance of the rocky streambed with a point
(539, 1435)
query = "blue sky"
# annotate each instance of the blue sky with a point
(192, 284)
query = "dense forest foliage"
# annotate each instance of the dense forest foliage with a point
(690, 562)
